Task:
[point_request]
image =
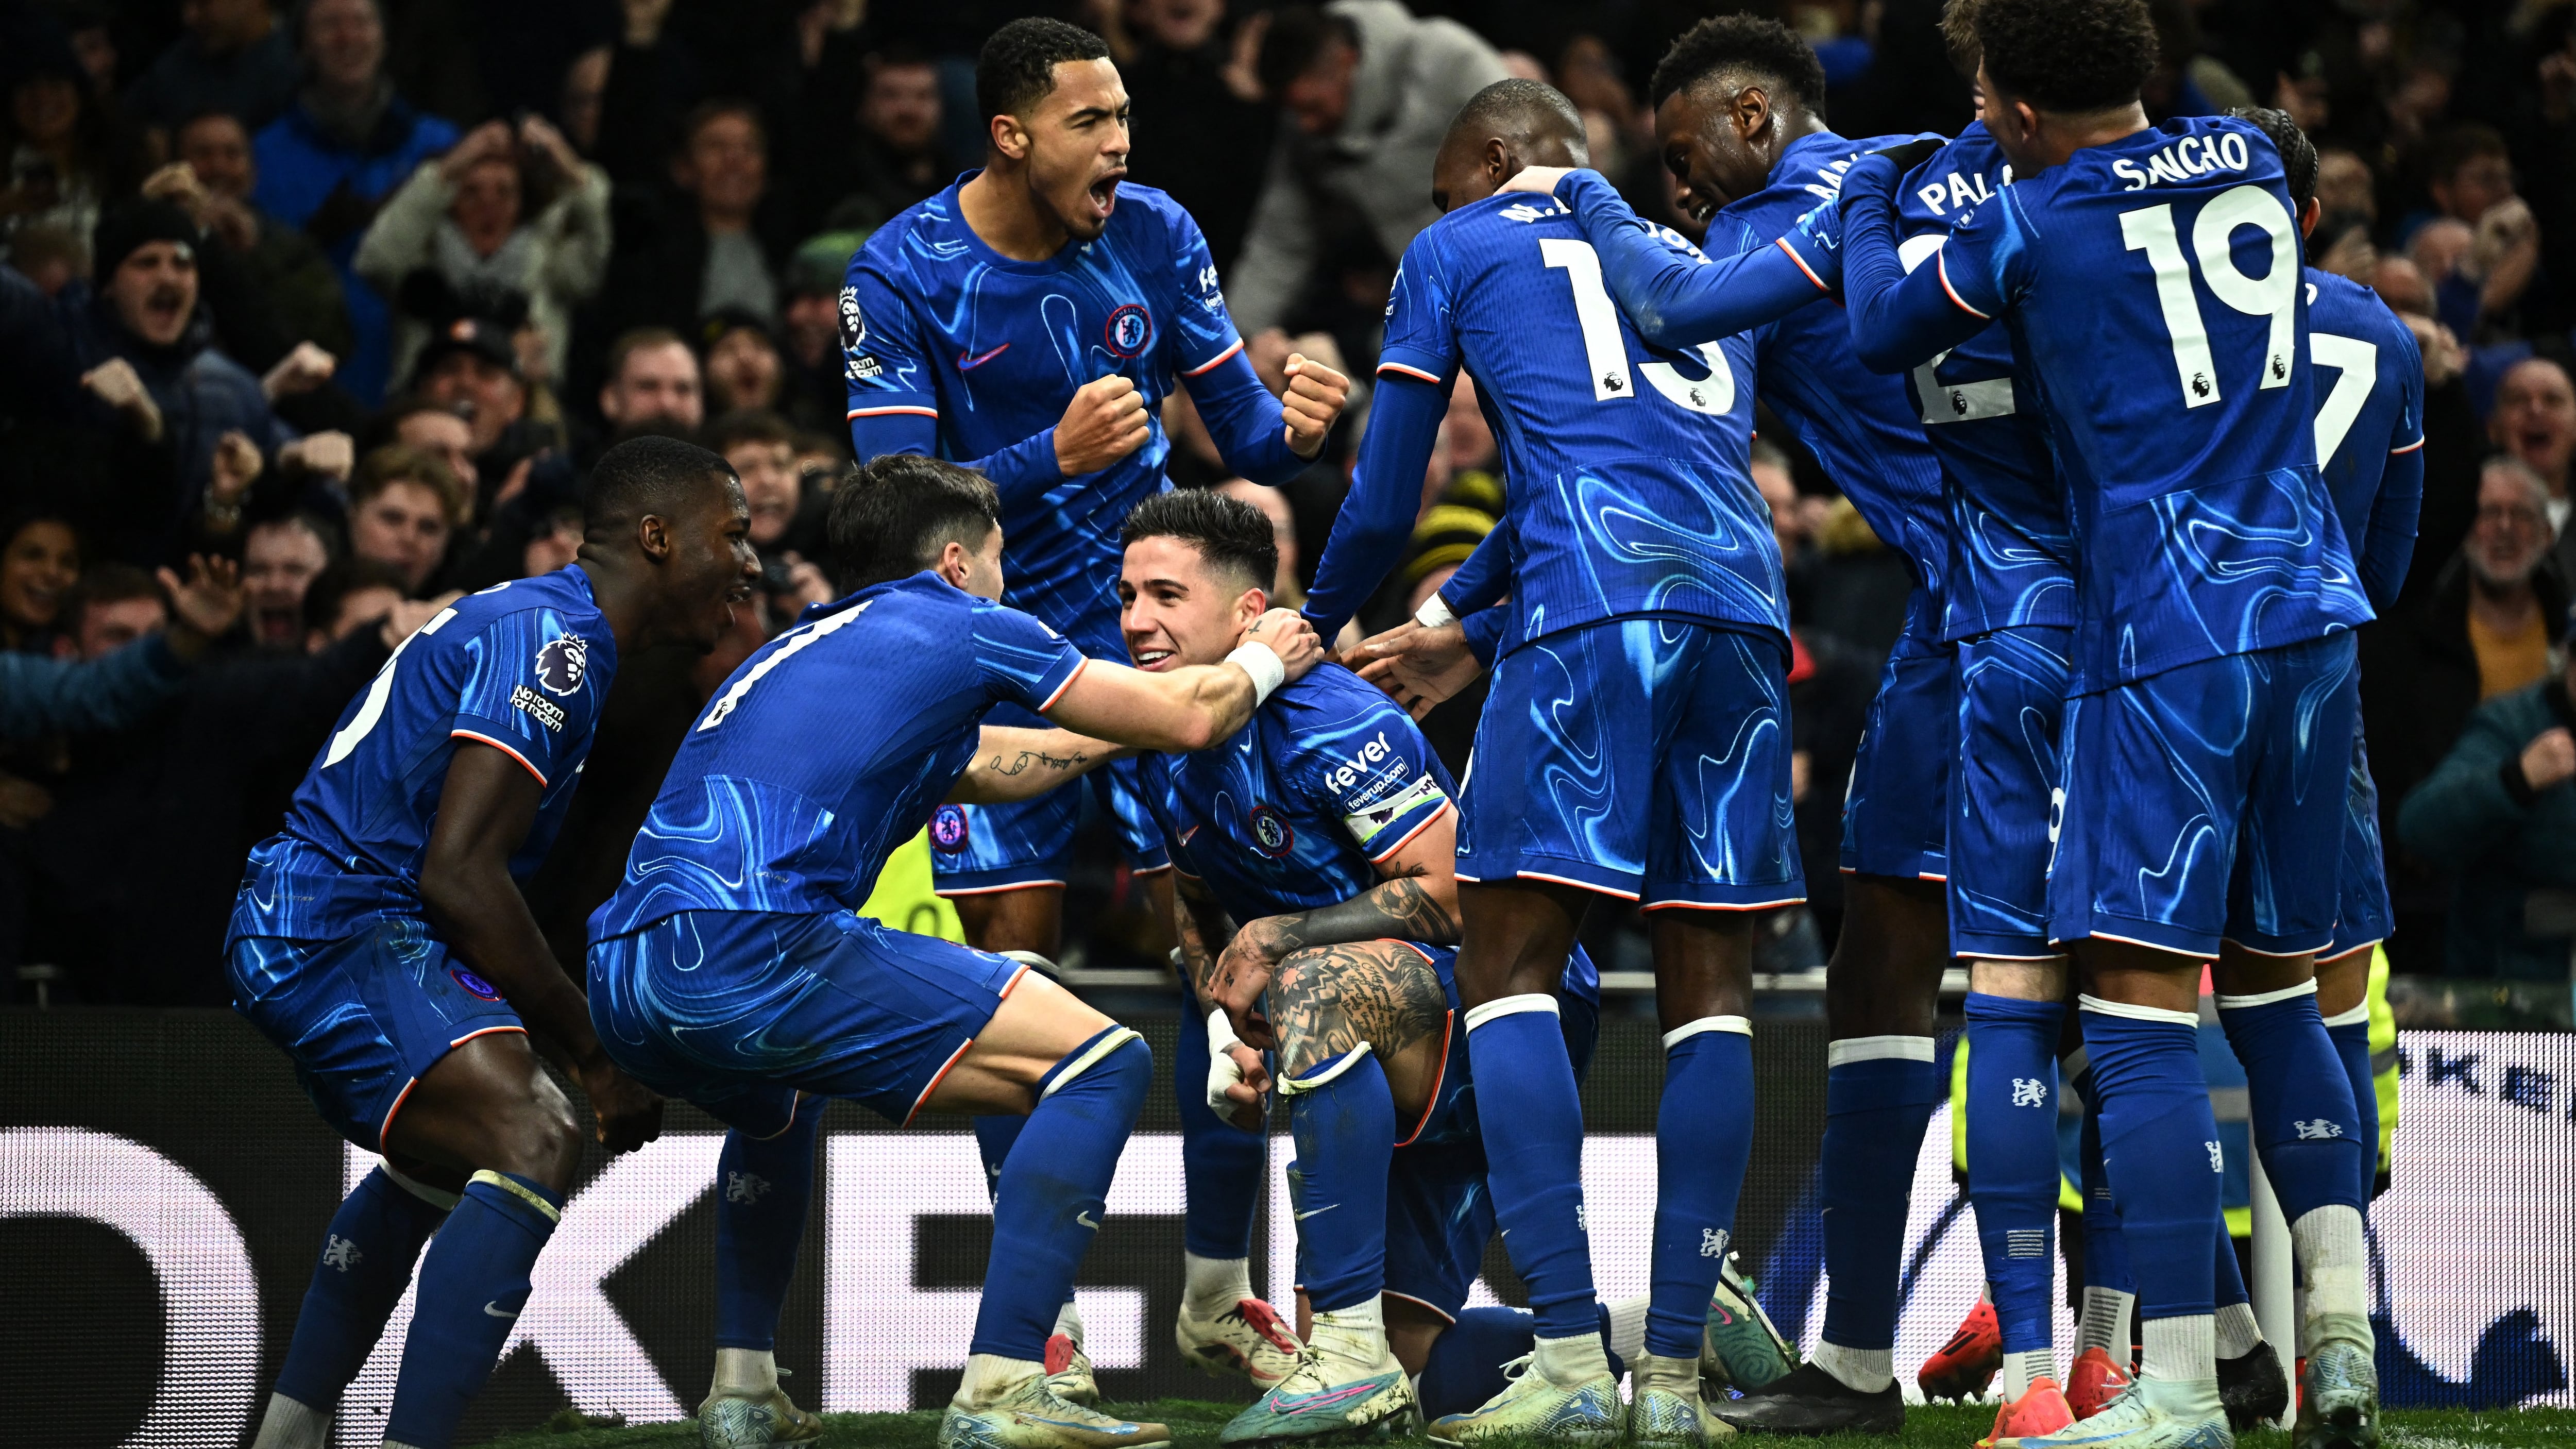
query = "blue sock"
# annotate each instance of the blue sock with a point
(1879, 1094)
(2106, 1253)
(366, 1264)
(2159, 1151)
(993, 1139)
(1465, 1367)
(2012, 1158)
(763, 1189)
(1532, 1124)
(1221, 1166)
(2352, 1045)
(472, 1286)
(1345, 1133)
(1703, 1140)
(2305, 1124)
(2227, 1275)
(1055, 1188)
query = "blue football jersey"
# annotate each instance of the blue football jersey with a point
(2152, 287)
(936, 323)
(828, 748)
(1861, 426)
(1628, 463)
(2011, 558)
(2370, 409)
(522, 667)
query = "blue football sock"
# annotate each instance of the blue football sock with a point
(472, 1285)
(1344, 1125)
(1465, 1367)
(2012, 1158)
(1055, 1188)
(2106, 1253)
(1879, 1094)
(993, 1139)
(763, 1189)
(1703, 1140)
(2159, 1151)
(1221, 1166)
(2351, 1040)
(1532, 1123)
(2227, 1275)
(366, 1264)
(2305, 1124)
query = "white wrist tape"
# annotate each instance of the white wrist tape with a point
(1223, 1070)
(1434, 613)
(1261, 662)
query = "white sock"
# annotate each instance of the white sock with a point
(2238, 1333)
(2336, 1267)
(1068, 1321)
(745, 1373)
(1866, 1370)
(1213, 1285)
(2027, 1367)
(1628, 1328)
(2183, 1349)
(1356, 1333)
(292, 1424)
(989, 1377)
(2106, 1323)
(1571, 1362)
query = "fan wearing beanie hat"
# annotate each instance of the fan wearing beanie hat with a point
(146, 254)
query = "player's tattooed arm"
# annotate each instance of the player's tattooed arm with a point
(1021, 764)
(1417, 902)
(1203, 929)
(1327, 1000)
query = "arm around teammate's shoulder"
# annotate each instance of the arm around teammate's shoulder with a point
(1011, 763)
(1193, 707)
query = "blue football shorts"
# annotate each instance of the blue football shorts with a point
(1894, 822)
(738, 1011)
(2209, 803)
(2363, 916)
(2003, 775)
(364, 1017)
(1646, 758)
(1439, 1216)
(983, 849)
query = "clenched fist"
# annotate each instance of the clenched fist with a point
(1314, 398)
(1104, 423)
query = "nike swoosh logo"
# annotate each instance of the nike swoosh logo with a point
(966, 363)
(1323, 1399)
(1301, 1217)
(496, 1312)
(1083, 1217)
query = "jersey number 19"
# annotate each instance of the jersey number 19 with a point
(2274, 295)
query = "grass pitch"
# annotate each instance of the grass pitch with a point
(1195, 1424)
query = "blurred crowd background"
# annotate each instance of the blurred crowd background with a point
(354, 291)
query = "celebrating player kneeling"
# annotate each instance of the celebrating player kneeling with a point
(1325, 829)
(730, 966)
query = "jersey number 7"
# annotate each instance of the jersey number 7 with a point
(1606, 352)
(2275, 294)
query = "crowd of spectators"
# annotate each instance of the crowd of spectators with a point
(347, 295)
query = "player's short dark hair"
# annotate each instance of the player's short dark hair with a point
(647, 474)
(1016, 68)
(1751, 46)
(1529, 108)
(2456, 145)
(892, 515)
(2298, 153)
(2071, 56)
(1294, 41)
(1231, 535)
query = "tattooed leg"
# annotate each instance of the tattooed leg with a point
(1326, 1000)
